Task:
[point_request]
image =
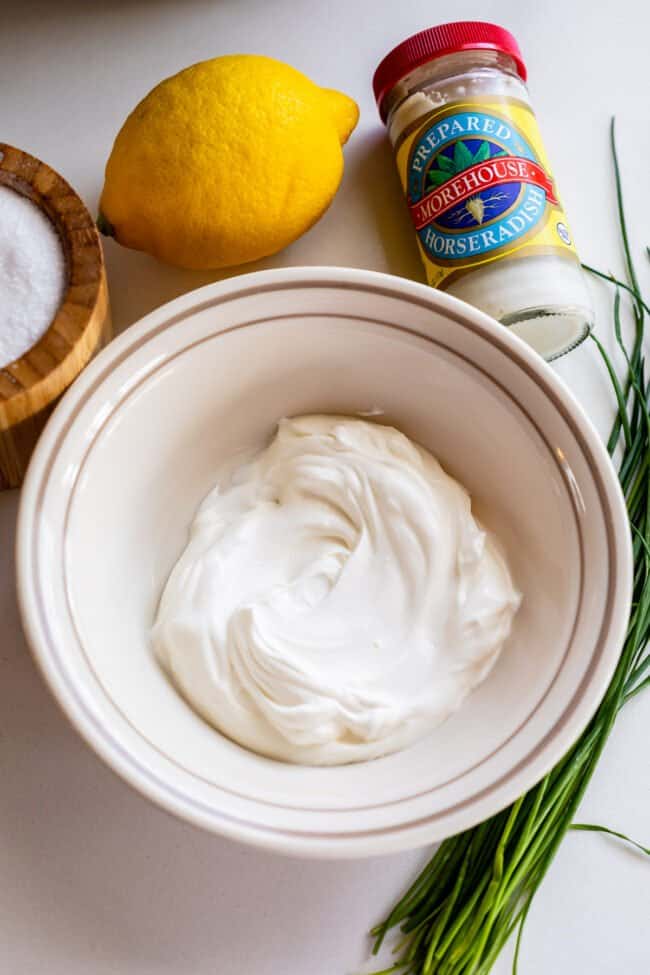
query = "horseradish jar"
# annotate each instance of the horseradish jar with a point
(487, 215)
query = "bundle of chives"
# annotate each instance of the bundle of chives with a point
(479, 886)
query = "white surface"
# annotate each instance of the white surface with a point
(93, 877)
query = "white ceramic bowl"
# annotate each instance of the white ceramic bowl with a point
(132, 450)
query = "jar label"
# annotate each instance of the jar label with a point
(479, 188)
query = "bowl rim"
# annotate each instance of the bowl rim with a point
(358, 843)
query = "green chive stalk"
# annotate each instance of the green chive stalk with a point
(478, 887)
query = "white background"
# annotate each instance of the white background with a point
(93, 879)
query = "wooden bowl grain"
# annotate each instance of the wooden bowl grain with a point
(31, 385)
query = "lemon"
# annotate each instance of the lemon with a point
(226, 162)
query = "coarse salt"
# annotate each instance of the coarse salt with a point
(32, 274)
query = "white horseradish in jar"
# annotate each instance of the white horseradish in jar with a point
(488, 219)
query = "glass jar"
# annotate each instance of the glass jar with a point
(489, 223)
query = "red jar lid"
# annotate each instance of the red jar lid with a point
(463, 35)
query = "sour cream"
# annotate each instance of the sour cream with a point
(337, 598)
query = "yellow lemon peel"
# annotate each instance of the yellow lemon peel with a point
(226, 162)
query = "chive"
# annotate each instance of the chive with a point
(631, 272)
(479, 886)
(595, 828)
(618, 392)
(619, 284)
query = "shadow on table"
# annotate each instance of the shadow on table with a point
(371, 176)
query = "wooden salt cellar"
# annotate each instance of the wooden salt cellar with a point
(31, 386)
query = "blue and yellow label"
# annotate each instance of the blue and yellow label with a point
(479, 188)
